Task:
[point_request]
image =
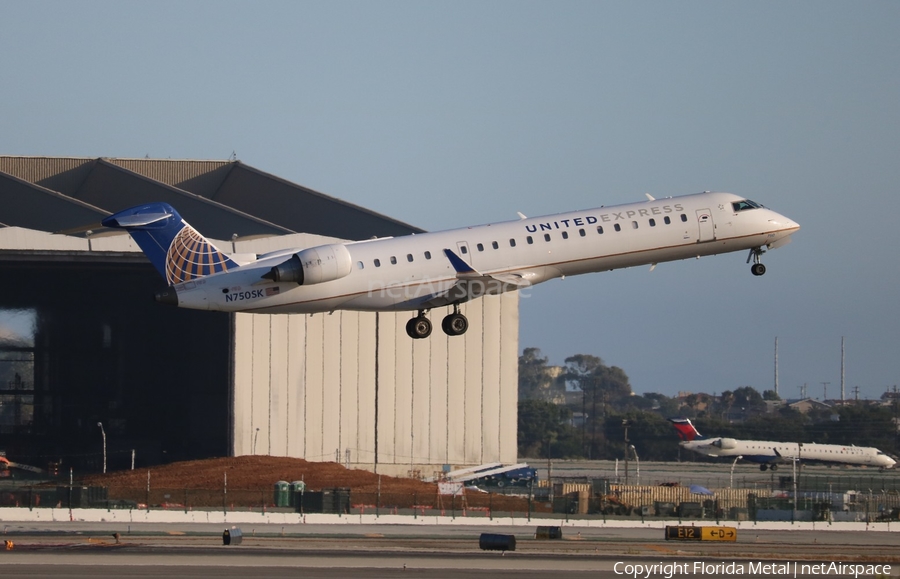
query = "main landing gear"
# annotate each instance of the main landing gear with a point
(763, 467)
(757, 268)
(454, 324)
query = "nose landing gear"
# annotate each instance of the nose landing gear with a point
(757, 268)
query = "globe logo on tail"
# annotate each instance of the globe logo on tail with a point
(190, 256)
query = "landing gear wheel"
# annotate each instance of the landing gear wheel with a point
(455, 324)
(764, 467)
(757, 268)
(418, 327)
(773, 467)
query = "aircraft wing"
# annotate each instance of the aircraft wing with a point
(471, 284)
(466, 273)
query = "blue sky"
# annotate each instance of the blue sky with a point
(445, 114)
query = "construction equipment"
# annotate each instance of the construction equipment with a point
(6, 465)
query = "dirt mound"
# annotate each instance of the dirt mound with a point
(251, 481)
(257, 473)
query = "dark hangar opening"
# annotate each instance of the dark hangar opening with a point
(87, 343)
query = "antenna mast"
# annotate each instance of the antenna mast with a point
(776, 365)
(842, 369)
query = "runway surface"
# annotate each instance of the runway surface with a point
(375, 551)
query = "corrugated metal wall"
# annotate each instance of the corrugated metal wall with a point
(307, 386)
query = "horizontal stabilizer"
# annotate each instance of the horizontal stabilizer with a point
(137, 220)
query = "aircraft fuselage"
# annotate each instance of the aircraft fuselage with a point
(414, 273)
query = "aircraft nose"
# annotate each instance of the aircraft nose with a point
(786, 222)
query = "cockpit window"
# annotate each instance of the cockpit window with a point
(744, 205)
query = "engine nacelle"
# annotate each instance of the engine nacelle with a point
(314, 265)
(726, 443)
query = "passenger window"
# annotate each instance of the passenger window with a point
(546, 237)
(409, 257)
(581, 232)
(495, 245)
(617, 227)
(600, 229)
(652, 222)
(512, 242)
(377, 263)
(667, 220)
(565, 234)
(480, 247)
(683, 217)
(529, 240)
(427, 255)
(464, 249)
(634, 225)
(393, 260)
(359, 264)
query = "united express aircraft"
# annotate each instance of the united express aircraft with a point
(768, 453)
(422, 272)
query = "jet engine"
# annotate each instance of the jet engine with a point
(314, 265)
(726, 443)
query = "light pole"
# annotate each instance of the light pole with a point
(737, 458)
(637, 461)
(103, 432)
(255, 436)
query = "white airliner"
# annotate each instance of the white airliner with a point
(768, 453)
(444, 269)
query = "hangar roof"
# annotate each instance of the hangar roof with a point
(219, 198)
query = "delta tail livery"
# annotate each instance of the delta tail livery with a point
(768, 454)
(422, 272)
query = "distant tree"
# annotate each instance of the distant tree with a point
(602, 388)
(652, 436)
(749, 399)
(770, 395)
(663, 405)
(544, 425)
(535, 381)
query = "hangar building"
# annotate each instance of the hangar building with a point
(83, 344)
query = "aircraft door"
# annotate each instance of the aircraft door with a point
(707, 227)
(462, 250)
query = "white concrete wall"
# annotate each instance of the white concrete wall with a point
(306, 386)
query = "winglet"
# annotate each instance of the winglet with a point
(458, 264)
(650, 197)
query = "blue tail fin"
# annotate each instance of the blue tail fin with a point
(176, 249)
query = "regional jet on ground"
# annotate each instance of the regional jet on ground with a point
(768, 453)
(444, 269)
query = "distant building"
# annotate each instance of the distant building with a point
(805, 405)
